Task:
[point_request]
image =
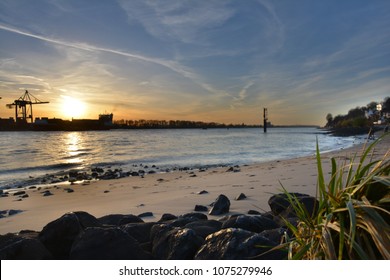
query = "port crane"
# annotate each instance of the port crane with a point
(23, 107)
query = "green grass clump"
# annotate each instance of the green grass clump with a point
(353, 217)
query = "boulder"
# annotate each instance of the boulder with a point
(238, 244)
(220, 206)
(204, 228)
(17, 247)
(274, 235)
(119, 219)
(107, 244)
(253, 212)
(195, 216)
(171, 243)
(280, 202)
(59, 235)
(310, 204)
(200, 208)
(139, 231)
(167, 217)
(250, 223)
(145, 214)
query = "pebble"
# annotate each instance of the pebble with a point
(203, 192)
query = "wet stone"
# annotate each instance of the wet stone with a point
(201, 208)
(146, 214)
(241, 196)
(221, 206)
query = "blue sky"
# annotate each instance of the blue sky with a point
(196, 60)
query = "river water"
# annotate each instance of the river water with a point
(26, 155)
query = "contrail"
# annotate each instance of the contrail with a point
(172, 65)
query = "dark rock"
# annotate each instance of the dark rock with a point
(73, 173)
(119, 219)
(47, 193)
(253, 212)
(221, 205)
(237, 244)
(13, 212)
(59, 235)
(274, 235)
(204, 228)
(203, 192)
(310, 204)
(134, 173)
(29, 234)
(175, 243)
(185, 219)
(241, 196)
(270, 215)
(107, 244)
(24, 196)
(99, 170)
(234, 169)
(280, 202)
(146, 214)
(250, 223)
(140, 231)
(201, 208)
(16, 247)
(69, 190)
(195, 216)
(19, 193)
(167, 217)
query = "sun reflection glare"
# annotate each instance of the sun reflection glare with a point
(73, 144)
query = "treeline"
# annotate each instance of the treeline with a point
(362, 117)
(128, 124)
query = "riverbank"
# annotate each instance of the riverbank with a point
(174, 192)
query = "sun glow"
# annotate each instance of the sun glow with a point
(72, 107)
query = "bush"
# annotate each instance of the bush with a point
(353, 217)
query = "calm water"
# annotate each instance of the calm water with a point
(33, 154)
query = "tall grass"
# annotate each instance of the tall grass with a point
(353, 217)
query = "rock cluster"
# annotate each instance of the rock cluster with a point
(79, 235)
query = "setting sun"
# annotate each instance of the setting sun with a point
(72, 108)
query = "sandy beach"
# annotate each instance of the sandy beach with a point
(176, 192)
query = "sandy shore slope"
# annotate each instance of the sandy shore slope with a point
(175, 193)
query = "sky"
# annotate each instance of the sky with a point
(215, 60)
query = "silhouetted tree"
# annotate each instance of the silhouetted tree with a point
(329, 119)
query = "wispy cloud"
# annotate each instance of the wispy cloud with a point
(170, 64)
(178, 20)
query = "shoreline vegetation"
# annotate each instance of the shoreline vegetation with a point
(194, 214)
(371, 118)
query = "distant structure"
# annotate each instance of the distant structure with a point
(265, 120)
(23, 107)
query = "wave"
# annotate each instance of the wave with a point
(51, 167)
